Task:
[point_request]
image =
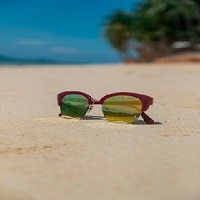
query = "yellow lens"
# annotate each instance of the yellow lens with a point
(122, 108)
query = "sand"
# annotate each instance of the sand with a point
(44, 157)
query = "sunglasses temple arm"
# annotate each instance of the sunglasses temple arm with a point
(147, 119)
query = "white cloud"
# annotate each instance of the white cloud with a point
(30, 42)
(63, 50)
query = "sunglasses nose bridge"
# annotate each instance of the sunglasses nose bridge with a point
(95, 101)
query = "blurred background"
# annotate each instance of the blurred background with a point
(93, 31)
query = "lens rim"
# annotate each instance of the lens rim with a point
(146, 100)
(61, 95)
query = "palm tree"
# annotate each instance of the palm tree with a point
(169, 19)
(118, 31)
(157, 24)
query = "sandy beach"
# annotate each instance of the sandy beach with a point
(44, 157)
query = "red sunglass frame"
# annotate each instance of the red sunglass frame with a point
(146, 100)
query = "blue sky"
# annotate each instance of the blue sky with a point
(67, 30)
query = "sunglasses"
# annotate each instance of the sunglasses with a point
(116, 107)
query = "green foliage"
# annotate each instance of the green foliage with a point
(118, 30)
(154, 21)
(169, 20)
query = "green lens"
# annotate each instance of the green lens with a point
(122, 108)
(74, 105)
